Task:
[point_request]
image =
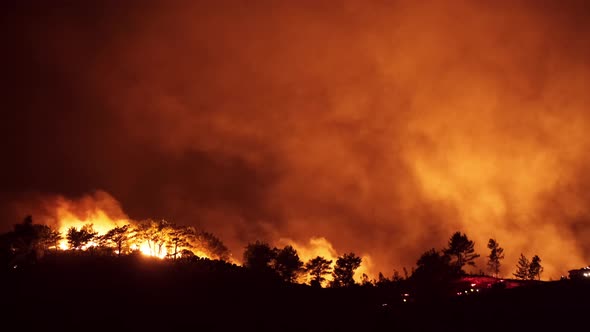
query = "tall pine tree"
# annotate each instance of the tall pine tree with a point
(522, 268)
(461, 251)
(496, 254)
(535, 268)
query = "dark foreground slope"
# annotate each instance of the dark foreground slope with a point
(98, 293)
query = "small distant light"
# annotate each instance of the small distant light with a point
(459, 293)
(384, 305)
(406, 294)
(472, 285)
(477, 290)
(472, 289)
(14, 267)
(465, 292)
(405, 300)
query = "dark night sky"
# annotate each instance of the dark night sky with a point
(382, 126)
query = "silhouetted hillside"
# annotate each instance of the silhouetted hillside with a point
(84, 291)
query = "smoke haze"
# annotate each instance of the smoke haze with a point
(380, 127)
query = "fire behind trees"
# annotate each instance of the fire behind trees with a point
(285, 263)
(496, 255)
(162, 239)
(528, 270)
(434, 271)
(273, 287)
(86, 283)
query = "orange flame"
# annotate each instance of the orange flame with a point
(320, 246)
(102, 223)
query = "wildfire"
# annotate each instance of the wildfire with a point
(146, 250)
(320, 246)
(102, 223)
(99, 220)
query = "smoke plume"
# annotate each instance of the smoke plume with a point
(382, 127)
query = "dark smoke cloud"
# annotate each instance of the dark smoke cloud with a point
(381, 126)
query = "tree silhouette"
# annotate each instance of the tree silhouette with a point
(210, 245)
(434, 266)
(120, 237)
(258, 256)
(461, 251)
(433, 275)
(28, 241)
(46, 237)
(186, 253)
(382, 280)
(78, 238)
(54, 237)
(24, 236)
(317, 268)
(535, 268)
(396, 276)
(29, 236)
(287, 264)
(522, 268)
(178, 239)
(496, 254)
(344, 270)
(366, 281)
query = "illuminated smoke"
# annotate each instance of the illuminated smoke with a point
(383, 127)
(103, 213)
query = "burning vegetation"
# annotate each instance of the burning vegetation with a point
(165, 240)
(29, 242)
(99, 234)
(96, 225)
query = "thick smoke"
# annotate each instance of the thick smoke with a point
(382, 127)
(58, 211)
